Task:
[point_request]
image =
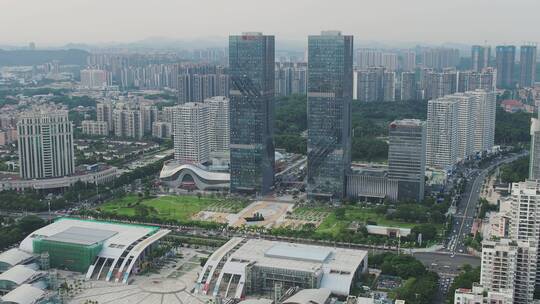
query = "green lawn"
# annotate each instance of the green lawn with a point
(332, 225)
(167, 207)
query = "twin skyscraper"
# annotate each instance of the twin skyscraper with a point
(330, 87)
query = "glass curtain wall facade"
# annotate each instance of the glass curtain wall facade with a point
(330, 87)
(251, 68)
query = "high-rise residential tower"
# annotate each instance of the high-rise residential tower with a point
(330, 76)
(219, 128)
(389, 86)
(251, 70)
(104, 112)
(527, 63)
(484, 119)
(45, 145)
(437, 85)
(408, 86)
(534, 157)
(471, 80)
(480, 57)
(442, 133)
(191, 133)
(509, 264)
(407, 157)
(505, 57)
(128, 123)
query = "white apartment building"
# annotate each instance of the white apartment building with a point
(95, 128)
(149, 115)
(525, 211)
(389, 86)
(475, 126)
(191, 132)
(479, 295)
(390, 61)
(510, 265)
(161, 129)
(534, 156)
(128, 123)
(104, 112)
(219, 123)
(466, 123)
(442, 133)
(45, 144)
(93, 79)
(484, 119)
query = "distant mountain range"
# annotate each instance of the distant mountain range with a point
(164, 43)
(36, 57)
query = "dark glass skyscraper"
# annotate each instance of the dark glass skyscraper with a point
(506, 57)
(527, 63)
(330, 87)
(251, 69)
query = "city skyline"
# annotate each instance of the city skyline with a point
(61, 22)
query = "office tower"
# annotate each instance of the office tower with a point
(442, 133)
(128, 123)
(191, 133)
(534, 157)
(329, 114)
(471, 80)
(389, 86)
(390, 61)
(45, 144)
(440, 58)
(407, 61)
(95, 128)
(510, 265)
(505, 57)
(104, 112)
(219, 128)
(480, 56)
(251, 69)
(527, 63)
(437, 85)
(408, 86)
(149, 115)
(407, 157)
(484, 119)
(93, 79)
(161, 129)
(366, 58)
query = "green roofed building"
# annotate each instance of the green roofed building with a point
(103, 250)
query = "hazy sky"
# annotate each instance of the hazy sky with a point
(55, 22)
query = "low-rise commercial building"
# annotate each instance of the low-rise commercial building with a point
(103, 250)
(242, 267)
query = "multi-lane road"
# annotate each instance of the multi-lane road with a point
(466, 209)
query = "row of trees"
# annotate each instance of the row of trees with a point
(15, 232)
(420, 285)
(516, 171)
